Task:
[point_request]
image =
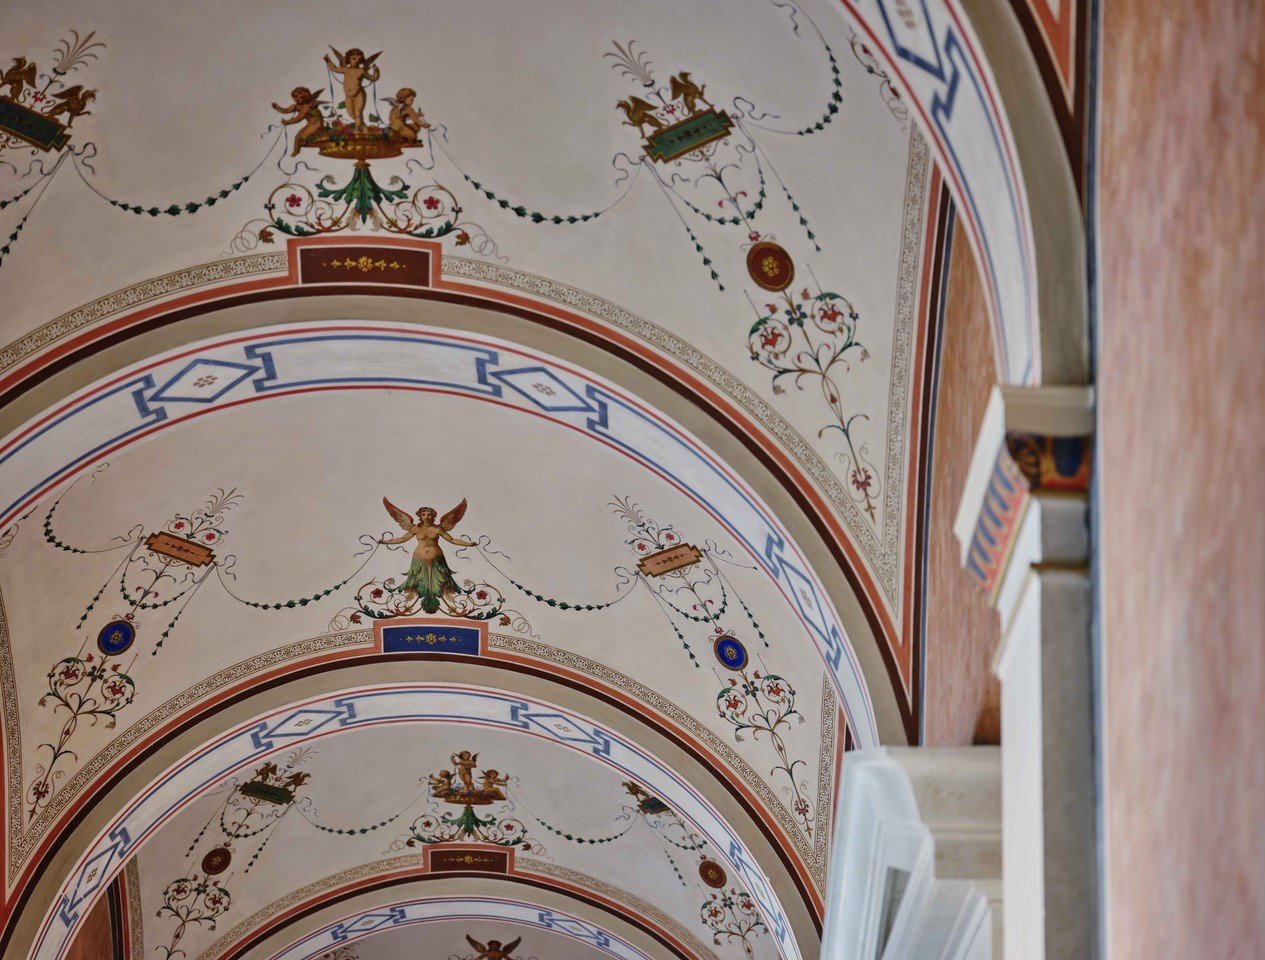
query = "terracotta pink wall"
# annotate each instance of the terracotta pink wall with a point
(962, 630)
(1182, 468)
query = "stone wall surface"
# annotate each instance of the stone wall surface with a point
(1182, 393)
(962, 702)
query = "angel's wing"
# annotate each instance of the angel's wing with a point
(453, 516)
(339, 57)
(398, 515)
(369, 60)
(475, 943)
(509, 947)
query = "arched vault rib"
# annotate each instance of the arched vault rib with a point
(365, 708)
(648, 361)
(977, 93)
(306, 928)
(294, 360)
(510, 664)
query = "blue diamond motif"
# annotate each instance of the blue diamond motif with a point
(203, 381)
(544, 388)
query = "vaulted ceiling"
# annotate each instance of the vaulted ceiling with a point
(658, 368)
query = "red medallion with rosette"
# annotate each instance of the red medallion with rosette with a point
(712, 874)
(216, 861)
(770, 265)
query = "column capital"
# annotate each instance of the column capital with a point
(916, 860)
(1034, 442)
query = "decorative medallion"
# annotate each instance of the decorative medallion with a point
(770, 266)
(730, 652)
(116, 637)
(216, 861)
(712, 873)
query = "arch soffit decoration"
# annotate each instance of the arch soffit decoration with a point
(688, 761)
(993, 131)
(595, 331)
(477, 361)
(307, 928)
(336, 715)
(396, 914)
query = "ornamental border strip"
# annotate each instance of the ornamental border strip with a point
(361, 924)
(135, 911)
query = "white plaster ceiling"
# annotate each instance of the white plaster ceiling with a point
(525, 96)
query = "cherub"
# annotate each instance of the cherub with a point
(464, 762)
(405, 121)
(355, 69)
(493, 950)
(636, 790)
(647, 803)
(306, 107)
(441, 783)
(429, 576)
(492, 783)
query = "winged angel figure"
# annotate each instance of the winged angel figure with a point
(493, 950)
(429, 576)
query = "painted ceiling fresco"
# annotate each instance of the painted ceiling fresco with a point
(659, 177)
(734, 189)
(200, 573)
(654, 856)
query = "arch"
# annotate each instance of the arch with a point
(125, 330)
(292, 360)
(354, 658)
(363, 708)
(977, 92)
(398, 914)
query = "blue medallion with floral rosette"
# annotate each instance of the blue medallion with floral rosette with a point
(730, 652)
(116, 637)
